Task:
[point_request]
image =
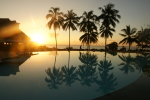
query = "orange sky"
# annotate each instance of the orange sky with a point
(31, 14)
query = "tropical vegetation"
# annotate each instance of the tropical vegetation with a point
(94, 26)
(129, 36)
(56, 20)
(70, 22)
(109, 18)
(87, 25)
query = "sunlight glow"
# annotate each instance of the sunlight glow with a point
(39, 37)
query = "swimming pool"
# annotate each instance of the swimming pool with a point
(64, 75)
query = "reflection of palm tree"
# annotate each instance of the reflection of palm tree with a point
(56, 20)
(127, 64)
(55, 76)
(107, 82)
(88, 58)
(71, 19)
(141, 61)
(70, 74)
(129, 36)
(146, 70)
(105, 66)
(87, 74)
(87, 71)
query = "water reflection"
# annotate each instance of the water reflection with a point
(87, 71)
(141, 61)
(73, 75)
(10, 66)
(128, 64)
(93, 72)
(69, 73)
(146, 70)
(107, 82)
(55, 76)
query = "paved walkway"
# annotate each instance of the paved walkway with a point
(138, 90)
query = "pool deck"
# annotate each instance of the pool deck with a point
(138, 90)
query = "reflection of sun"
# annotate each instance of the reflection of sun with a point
(38, 37)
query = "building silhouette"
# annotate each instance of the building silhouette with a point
(10, 32)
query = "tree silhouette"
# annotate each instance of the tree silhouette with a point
(87, 71)
(105, 65)
(108, 81)
(127, 64)
(146, 70)
(141, 61)
(55, 76)
(109, 16)
(88, 59)
(70, 20)
(88, 26)
(129, 36)
(112, 46)
(56, 20)
(70, 74)
(143, 37)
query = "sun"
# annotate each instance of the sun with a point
(38, 37)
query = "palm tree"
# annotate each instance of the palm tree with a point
(88, 26)
(89, 38)
(143, 37)
(109, 16)
(70, 20)
(56, 20)
(129, 35)
(106, 32)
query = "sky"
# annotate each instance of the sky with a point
(31, 14)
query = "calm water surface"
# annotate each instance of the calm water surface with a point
(68, 76)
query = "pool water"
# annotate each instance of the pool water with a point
(64, 75)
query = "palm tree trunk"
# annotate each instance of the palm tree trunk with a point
(88, 42)
(105, 43)
(68, 59)
(56, 39)
(142, 46)
(129, 46)
(55, 58)
(69, 38)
